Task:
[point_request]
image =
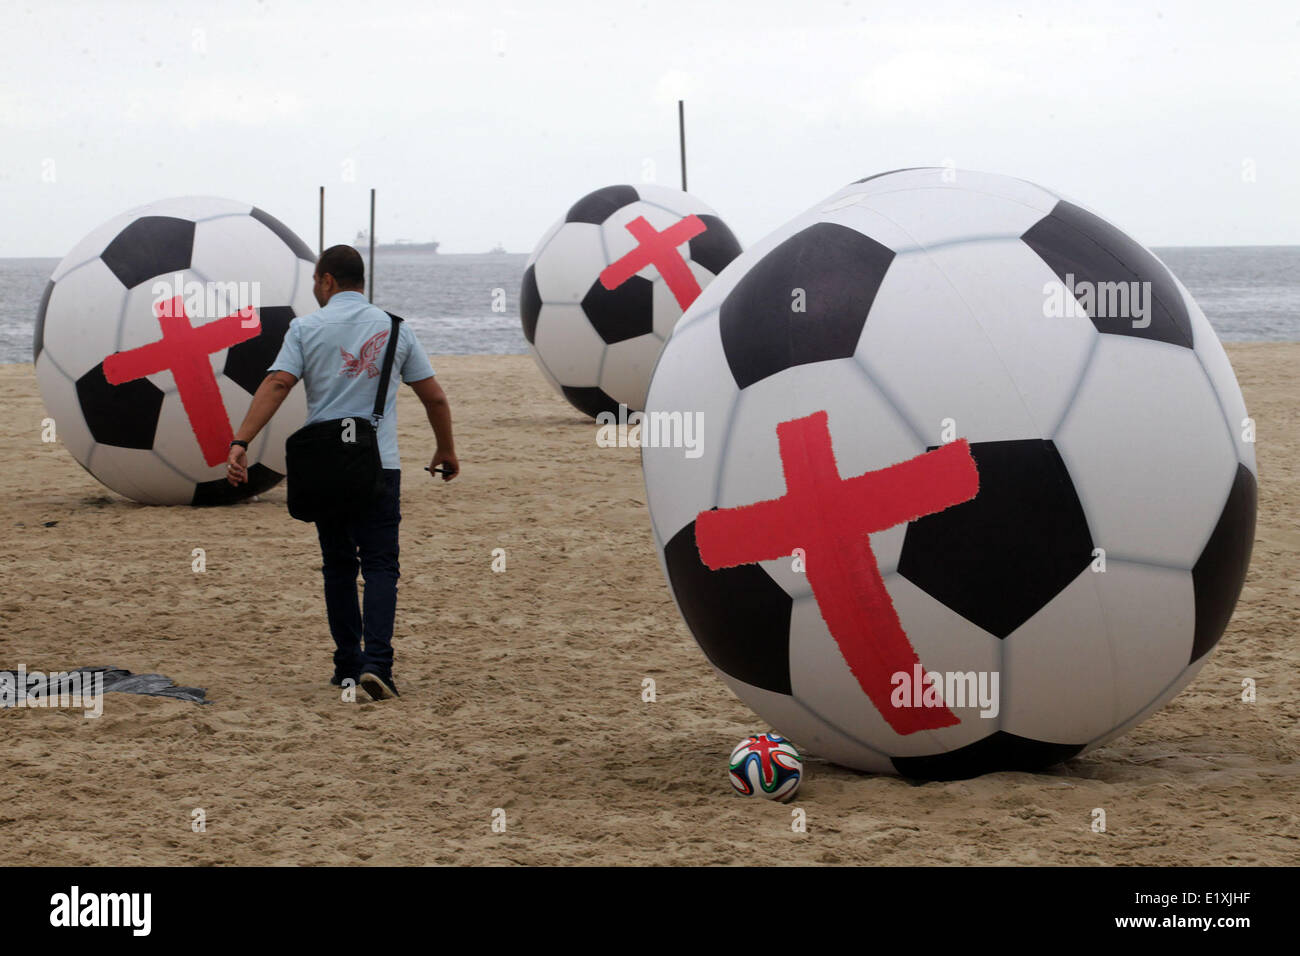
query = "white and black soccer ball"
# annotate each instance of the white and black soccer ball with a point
(931, 320)
(109, 375)
(602, 290)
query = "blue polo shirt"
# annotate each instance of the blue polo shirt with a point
(338, 351)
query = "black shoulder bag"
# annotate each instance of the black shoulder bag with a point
(333, 468)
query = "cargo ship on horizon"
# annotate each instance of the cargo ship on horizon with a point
(362, 244)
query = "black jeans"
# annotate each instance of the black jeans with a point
(371, 537)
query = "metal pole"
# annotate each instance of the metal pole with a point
(320, 248)
(372, 245)
(681, 135)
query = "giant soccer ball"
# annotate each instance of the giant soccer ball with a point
(934, 450)
(607, 283)
(145, 395)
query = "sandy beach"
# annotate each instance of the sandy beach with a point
(523, 689)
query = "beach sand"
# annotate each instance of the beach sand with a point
(523, 689)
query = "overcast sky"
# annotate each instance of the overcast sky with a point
(481, 122)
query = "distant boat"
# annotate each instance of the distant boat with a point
(498, 250)
(362, 244)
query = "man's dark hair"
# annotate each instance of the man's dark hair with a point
(346, 266)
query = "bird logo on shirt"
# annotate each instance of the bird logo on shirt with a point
(353, 365)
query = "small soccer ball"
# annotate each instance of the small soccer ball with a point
(977, 485)
(766, 766)
(607, 283)
(154, 333)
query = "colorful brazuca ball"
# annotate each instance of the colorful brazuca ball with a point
(976, 486)
(607, 283)
(154, 333)
(766, 765)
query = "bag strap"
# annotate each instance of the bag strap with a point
(386, 372)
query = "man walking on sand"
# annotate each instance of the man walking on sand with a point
(327, 350)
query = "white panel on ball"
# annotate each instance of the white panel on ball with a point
(1174, 490)
(1151, 648)
(944, 215)
(1011, 294)
(678, 485)
(570, 346)
(565, 270)
(239, 251)
(954, 350)
(60, 395)
(1215, 361)
(625, 376)
(93, 300)
(1058, 670)
(140, 475)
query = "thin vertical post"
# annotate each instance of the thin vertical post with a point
(320, 246)
(372, 245)
(681, 137)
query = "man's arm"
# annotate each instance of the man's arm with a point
(438, 409)
(267, 399)
(266, 402)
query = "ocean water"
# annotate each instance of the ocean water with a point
(451, 301)
(1249, 293)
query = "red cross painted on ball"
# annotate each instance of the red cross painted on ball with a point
(829, 517)
(183, 351)
(659, 249)
(764, 746)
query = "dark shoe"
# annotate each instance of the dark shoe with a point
(338, 679)
(379, 688)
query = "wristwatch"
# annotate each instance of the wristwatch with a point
(239, 441)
